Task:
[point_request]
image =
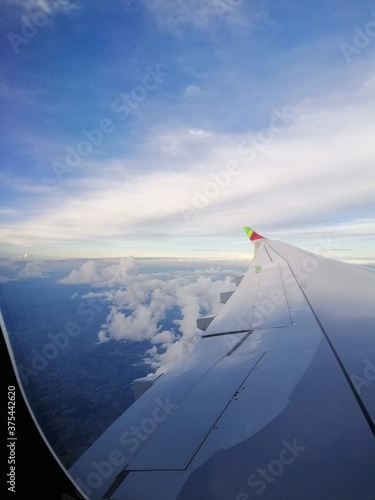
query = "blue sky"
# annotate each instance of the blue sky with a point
(158, 128)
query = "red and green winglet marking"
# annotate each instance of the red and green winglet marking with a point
(252, 235)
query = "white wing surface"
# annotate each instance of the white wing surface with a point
(277, 400)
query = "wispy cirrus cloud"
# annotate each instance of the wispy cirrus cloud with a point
(193, 91)
(197, 14)
(321, 158)
(48, 6)
(159, 181)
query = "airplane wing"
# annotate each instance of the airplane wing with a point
(277, 400)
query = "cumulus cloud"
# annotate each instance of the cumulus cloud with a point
(165, 337)
(140, 303)
(91, 273)
(85, 274)
(191, 294)
(34, 269)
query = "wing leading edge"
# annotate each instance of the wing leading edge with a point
(277, 397)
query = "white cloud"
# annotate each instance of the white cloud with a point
(176, 352)
(35, 269)
(139, 305)
(91, 273)
(193, 91)
(85, 274)
(140, 325)
(165, 337)
(178, 141)
(193, 294)
(311, 168)
(198, 14)
(48, 6)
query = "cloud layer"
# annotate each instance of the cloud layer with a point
(311, 162)
(231, 113)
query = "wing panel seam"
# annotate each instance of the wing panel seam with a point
(220, 415)
(341, 365)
